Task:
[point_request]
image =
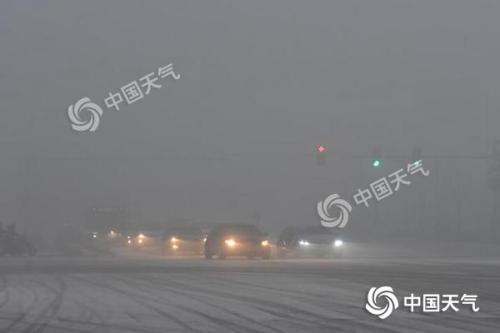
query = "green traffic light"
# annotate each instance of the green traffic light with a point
(376, 163)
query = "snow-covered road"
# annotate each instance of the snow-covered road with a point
(151, 294)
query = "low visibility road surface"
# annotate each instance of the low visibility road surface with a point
(153, 294)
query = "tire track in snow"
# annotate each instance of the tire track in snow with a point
(187, 294)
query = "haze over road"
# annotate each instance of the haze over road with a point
(152, 294)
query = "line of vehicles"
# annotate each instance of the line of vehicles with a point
(222, 241)
(241, 240)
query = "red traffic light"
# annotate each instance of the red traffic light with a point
(320, 154)
(321, 149)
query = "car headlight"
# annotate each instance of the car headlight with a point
(265, 243)
(303, 243)
(338, 243)
(230, 242)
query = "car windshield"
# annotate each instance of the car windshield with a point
(316, 231)
(241, 230)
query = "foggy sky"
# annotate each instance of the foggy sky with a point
(262, 82)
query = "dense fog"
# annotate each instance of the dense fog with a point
(261, 85)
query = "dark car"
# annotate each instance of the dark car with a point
(15, 245)
(309, 241)
(183, 240)
(237, 240)
(144, 239)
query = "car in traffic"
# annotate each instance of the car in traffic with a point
(183, 240)
(309, 241)
(231, 239)
(144, 239)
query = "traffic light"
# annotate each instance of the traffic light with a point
(321, 154)
(376, 157)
